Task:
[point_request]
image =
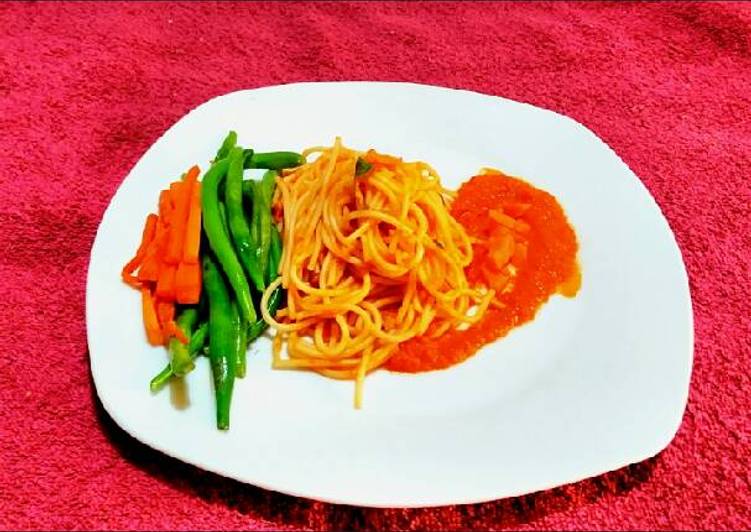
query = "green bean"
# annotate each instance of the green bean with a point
(162, 378)
(252, 214)
(275, 254)
(248, 190)
(257, 226)
(223, 216)
(194, 348)
(219, 240)
(261, 224)
(238, 225)
(275, 299)
(221, 339)
(180, 358)
(257, 328)
(198, 340)
(241, 344)
(229, 142)
(273, 160)
(362, 167)
(268, 184)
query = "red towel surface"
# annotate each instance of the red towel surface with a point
(85, 88)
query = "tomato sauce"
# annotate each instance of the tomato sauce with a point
(527, 253)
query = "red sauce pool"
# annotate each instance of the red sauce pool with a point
(550, 267)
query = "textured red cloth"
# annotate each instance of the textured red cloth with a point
(86, 88)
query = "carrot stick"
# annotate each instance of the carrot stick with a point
(149, 230)
(188, 283)
(192, 244)
(165, 205)
(150, 320)
(173, 330)
(181, 192)
(131, 280)
(165, 285)
(165, 312)
(149, 270)
(191, 175)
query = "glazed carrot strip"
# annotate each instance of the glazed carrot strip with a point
(149, 230)
(165, 284)
(188, 283)
(171, 329)
(165, 312)
(191, 176)
(150, 320)
(181, 193)
(165, 205)
(193, 227)
(149, 270)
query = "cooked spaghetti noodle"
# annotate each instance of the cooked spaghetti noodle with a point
(369, 262)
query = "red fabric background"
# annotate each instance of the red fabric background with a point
(86, 88)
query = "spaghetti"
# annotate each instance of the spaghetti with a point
(369, 262)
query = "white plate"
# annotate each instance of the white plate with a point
(592, 384)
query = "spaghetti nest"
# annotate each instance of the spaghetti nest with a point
(370, 261)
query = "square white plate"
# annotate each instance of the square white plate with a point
(592, 384)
